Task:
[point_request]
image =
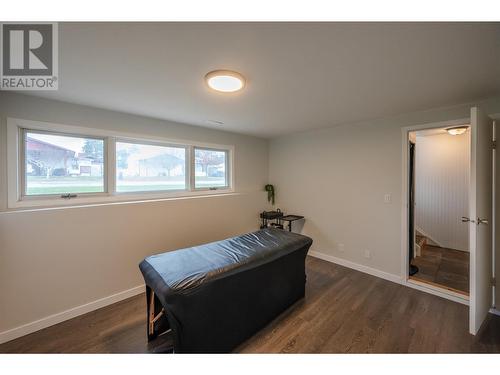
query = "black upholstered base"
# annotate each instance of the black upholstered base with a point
(218, 310)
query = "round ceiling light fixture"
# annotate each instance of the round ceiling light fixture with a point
(225, 80)
(457, 130)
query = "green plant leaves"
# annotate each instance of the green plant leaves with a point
(270, 193)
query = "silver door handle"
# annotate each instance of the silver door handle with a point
(481, 221)
(467, 220)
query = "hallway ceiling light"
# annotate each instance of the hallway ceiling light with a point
(225, 80)
(457, 130)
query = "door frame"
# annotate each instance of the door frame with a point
(494, 218)
(494, 242)
(405, 261)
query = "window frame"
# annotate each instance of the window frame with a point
(22, 165)
(160, 144)
(17, 128)
(227, 169)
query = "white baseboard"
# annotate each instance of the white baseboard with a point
(495, 311)
(48, 321)
(356, 266)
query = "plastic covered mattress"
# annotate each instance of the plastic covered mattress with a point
(216, 295)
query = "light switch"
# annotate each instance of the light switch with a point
(387, 198)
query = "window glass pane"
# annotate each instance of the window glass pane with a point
(56, 164)
(210, 168)
(142, 167)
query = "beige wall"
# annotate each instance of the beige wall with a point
(442, 168)
(57, 259)
(337, 179)
(250, 156)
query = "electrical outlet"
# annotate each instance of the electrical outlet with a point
(368, 254)
(340, 247)
(387, 198)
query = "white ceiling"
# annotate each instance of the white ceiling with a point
(300, 76)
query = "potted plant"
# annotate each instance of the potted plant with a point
(270, 193)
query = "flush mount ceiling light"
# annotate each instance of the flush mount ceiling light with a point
(225, 80)
(457, 130)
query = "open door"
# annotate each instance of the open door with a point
(480, 218)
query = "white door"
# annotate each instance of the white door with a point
(496, 207)
(481, 218)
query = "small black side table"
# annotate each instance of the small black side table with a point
(267, 216)
(290, 218)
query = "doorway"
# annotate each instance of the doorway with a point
(479, 222)
(438, 240)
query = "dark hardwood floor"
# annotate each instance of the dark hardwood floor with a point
(344, 311)
(445, 267)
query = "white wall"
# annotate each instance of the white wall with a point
(56, 259)
(337, 178)
(442, 168)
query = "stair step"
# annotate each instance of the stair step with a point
(421, 240)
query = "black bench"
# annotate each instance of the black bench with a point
(215, 296)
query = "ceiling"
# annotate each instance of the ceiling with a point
(300, 76)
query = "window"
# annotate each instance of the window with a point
(147, 167)
(54, 165)
(210, 168)
(62, 164)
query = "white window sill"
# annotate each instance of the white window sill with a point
(112, 199)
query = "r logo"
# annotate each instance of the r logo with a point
(29, 56)
(27, 49)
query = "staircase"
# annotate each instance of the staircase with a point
(420, 242)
